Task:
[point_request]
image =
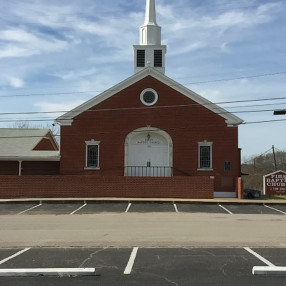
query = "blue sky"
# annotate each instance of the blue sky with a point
(56, 54)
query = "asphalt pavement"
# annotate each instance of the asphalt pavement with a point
(156, 267)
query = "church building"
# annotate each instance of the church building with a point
(150, 136)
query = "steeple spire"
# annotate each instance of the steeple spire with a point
(150, 52)
(150, 32)
(150, 15)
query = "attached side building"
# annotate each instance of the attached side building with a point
(28, 152)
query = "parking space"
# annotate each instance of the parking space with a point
(156, 267)
(276, 256)
(199, 208)
(15, 208)
(151, 207)
(99, 207)
(249, 209)
(4, 253)
(61, 208)
(277, 207)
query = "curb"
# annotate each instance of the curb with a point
(107, 199)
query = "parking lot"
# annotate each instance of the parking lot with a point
(82, 207)
(154, 267)
(139, 264)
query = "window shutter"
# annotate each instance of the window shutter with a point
(140, 58)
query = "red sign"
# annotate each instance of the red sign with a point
(275, 183)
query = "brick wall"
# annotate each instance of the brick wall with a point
(40, 168)
(9, 168)
(47, 143)
(30, 168)
(91, 186)
(186, 122)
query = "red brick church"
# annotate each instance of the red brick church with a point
(150, 128)
(148, 136)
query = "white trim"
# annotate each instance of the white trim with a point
(224, 194)
(31, 159)
(205, 143)
(67, 118)
(92, 142)
(142, 98)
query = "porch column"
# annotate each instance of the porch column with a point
(20, 168)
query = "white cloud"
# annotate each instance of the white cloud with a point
(75, 74)
(11, 51)
(16, 82)
(44, 106)
(214, 95)
(22, 44)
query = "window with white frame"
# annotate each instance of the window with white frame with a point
(92, 154)
(205, 155)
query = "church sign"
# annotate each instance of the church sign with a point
(275, 183)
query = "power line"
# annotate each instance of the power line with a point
(263, 121)
(104, 132)
(157, 107)
(191, 83)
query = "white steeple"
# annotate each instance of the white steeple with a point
(150, 14)
(150, 32)
(150, 52)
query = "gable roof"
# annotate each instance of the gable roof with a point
(67, 118)
(19, 143)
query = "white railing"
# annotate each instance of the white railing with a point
(144, 171)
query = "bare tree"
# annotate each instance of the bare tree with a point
(257, 167)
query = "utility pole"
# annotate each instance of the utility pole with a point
(274, 157)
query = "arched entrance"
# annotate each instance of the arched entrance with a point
(148, 152)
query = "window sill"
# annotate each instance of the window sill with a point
(91, 168)
(207, 170)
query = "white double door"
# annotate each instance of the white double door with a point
(148, 155)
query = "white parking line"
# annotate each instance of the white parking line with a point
(46, 272)
(175, 206)
(14, 255)
(269, 270)
(78, 208)
(129, 266)
(259, 257)
(30, 209)
(274, 209)
(128, 207)
(225, 209)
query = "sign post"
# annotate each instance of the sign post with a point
(275, 183)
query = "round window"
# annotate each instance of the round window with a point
(149, 96)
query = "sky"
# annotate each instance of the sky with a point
(56, 54)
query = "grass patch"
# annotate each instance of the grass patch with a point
(273, 197)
